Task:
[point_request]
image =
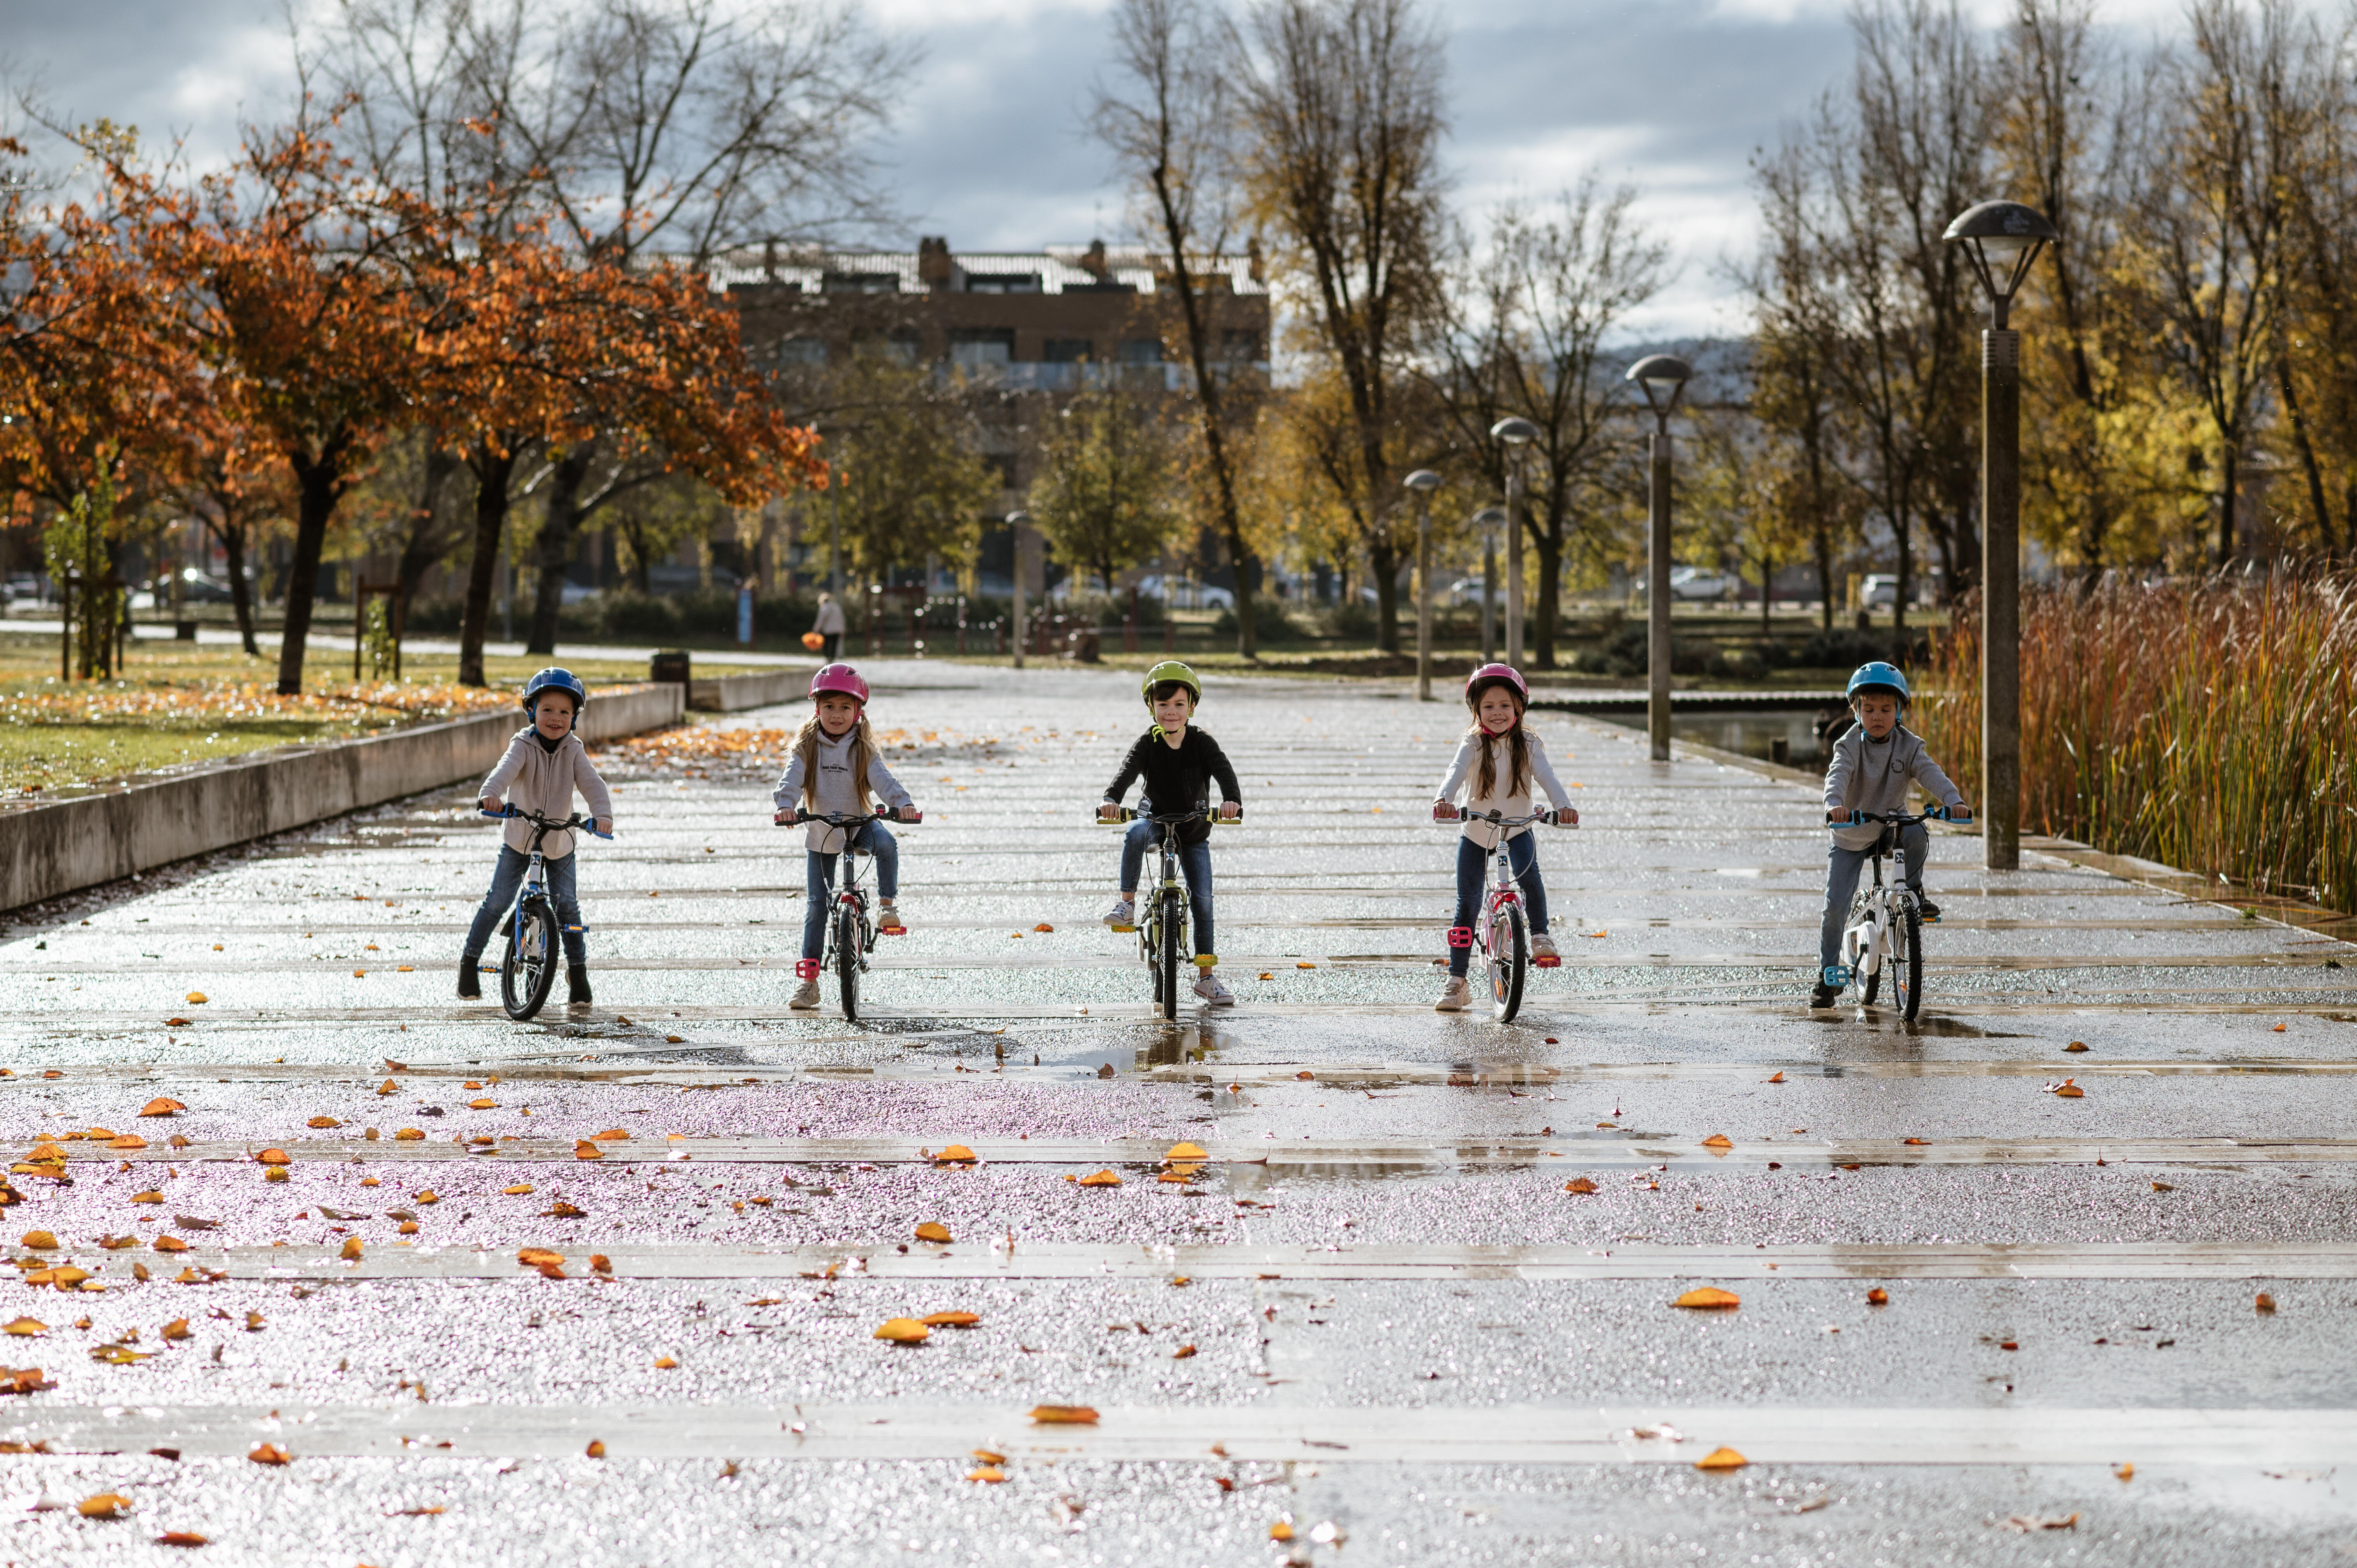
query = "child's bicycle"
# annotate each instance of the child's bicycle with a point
(1885, 925)
(528, 964)
(1162, 923)
(851, 934)
(1502, 935)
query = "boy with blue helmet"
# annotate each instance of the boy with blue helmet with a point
(544, 764)
(1873, 763)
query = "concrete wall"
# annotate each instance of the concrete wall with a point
(57, 848)
(733, 693)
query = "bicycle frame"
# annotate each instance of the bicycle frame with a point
(1169, 891)
(535, 883)
(1883, 916)
(850, 899)
(1505, 898)
(533, 918)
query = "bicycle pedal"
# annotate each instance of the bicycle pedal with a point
(1125, 930)
(891, 930)
(1555, 963)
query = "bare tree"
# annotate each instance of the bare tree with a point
(1171, 128)
(1343, 115)
(1520, 331)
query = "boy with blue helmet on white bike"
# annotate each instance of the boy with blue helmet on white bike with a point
(1873, 763)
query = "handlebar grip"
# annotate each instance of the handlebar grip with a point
(907, 814)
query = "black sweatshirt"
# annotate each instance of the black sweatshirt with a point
(1176, 778)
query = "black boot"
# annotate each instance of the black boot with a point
(470, 983)
(1824, 996)
(577, 983)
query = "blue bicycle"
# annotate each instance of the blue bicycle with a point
(528, 966)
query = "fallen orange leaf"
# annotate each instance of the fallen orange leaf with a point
(323, 1122)
(1101, 1178)
(1708, 1296)
(2076, 1045)
(1043, 926)
(956, 1153)
(1721, 1459)
(1877, 1297)
(1184, 1152)
(2066, 1090)
(39, 1241)
(533, 1257)
(104, 1505)
(177, 1329)
(595, 1450)
(2278, 1029)
(1777, 1078)
(1063, 1415)
(272, 1157)
(1280, 1530)
(25, 1327)
(516, 1190)
(1719, 1141)
(582, 1149)
(1304, 965)
(483, 1105)
(128, 1140)
(197, 997)
(170, 1244)
(1920, 1142)
(269, 1453)
(1579, 1184)
(2265, 1303)
(665, 1364)
(1183, 1352)
(350, 1250)
(950, 1319)
(180, 1537)
(903, 1331)
(989, 1474)
(933, 1231)
(388, 1087)
(159, 1106)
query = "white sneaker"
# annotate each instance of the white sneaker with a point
(805, 996)
(1456, 996)
(1123, 916)
(1543, 948)
(1207, 987)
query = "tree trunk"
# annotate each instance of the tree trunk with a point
(2226, 543)
(1767, 594)
(491, 472)
(1899, 598)
(316, 494)
(2309, 468)
(240, 592)
(1824, 541)
(1382, 564)
(1550, 599)
(555, 544)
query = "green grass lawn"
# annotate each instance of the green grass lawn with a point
(175, 705)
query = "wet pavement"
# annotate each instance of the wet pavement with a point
(1376, 1307)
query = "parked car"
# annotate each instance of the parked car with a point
(1880, 590)
(22, 586)
(1702, 583)
(1200, 595)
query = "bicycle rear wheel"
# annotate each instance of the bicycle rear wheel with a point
(1907, 961)
(1167, 969)
(846, 956)
(528, 965)
(1510, 957)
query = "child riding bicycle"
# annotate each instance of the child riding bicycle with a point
(544, 764)
(835, 770)
(1873, 763)
(1179, 764)
(1497, 759)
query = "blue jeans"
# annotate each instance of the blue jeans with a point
(506, 876)
(871, 839)
(1842, 868)
(1194, 864)
(1473, 881)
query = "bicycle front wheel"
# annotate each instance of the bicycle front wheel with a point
(1167, 969)
(846, 956)
(1868, 985)
(1510, 957)
(529, 966)
(1907, 961)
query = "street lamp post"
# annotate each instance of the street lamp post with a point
(1663, 378)
(1490, 519)
(1421, 484)
(2002, 239)
(1016, 523)
(1516, 433)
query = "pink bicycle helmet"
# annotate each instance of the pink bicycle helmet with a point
(1495, 675)
(840, 678)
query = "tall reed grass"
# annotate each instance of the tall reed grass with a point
(2209, 724)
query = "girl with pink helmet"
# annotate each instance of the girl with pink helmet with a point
(835, 767)
(1495, 766)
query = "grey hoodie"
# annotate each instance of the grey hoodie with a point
(1869, 775)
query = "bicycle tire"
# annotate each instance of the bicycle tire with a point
(528, 963)
(1907, 976)
(1166, 971)
(1870, 986)
(1509, 962)
(846, 956)
(1149, 946)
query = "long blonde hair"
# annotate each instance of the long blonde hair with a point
(863, 753)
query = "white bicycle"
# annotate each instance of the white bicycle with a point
(1886, 923)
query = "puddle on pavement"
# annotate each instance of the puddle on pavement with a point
(1937, 1026)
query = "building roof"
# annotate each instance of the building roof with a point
(1058, 268)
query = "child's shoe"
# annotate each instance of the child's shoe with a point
(887, 922)
(1207, 987)
(1456, 996)
(1825, 995)
(470, 980)
(577, 985)
(1543, 953)
(805, 996)
(1123, 916)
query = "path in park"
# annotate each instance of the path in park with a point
(1376, 1315)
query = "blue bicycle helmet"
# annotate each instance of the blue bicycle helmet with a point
(1878, 676)
(555, 679)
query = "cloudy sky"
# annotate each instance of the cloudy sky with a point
(989, 149)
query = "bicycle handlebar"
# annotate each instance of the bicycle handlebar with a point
(1905, 819)
(851, 818)
(1124, 814)
(545, 824)
(1543, 814)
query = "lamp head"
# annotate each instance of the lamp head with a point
(1489, 519)
(1663, 378)
(1515, 432)
(1423, 481)
(2002, 239)
(1017, 519)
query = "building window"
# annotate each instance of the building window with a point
(1067, 350)
(1002, 282)
(860, 283)
(1141, 350)
(801, 351)
(974, 348)
(1242, 344)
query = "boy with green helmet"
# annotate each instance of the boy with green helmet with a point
(1179, 763)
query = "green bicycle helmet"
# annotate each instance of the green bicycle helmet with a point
(1171, 670)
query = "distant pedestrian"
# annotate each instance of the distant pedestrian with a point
(836, 769)
(828, 626)
(544, 764)
(1179, 764)
(1873, 761)
(1496, 766)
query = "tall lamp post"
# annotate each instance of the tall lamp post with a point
(1490, 519)
(1017, 521)
(1516, 433)
(2002, 239)
(1663, 378)
(1421, 484)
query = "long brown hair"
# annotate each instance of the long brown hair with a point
(1517, 751)
(863, 753)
